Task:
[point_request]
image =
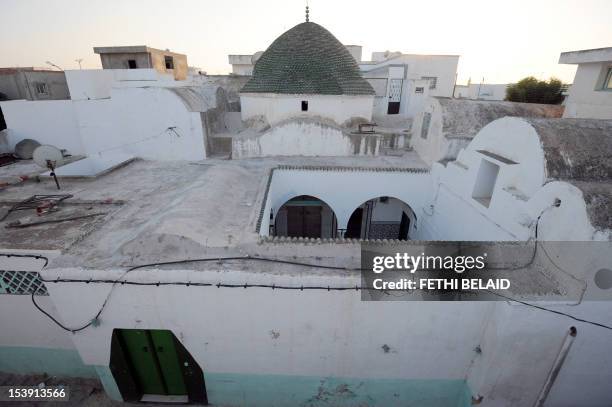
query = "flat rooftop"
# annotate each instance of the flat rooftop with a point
(586, 56)
(151, 211)
(130, 49)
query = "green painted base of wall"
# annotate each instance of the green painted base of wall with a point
(279, 391)
(108, 382)
(54, 362)
(234, 390)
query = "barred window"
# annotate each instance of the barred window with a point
(433, 81)
(41, 88)
(21, 283)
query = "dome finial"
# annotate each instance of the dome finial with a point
(307, 12)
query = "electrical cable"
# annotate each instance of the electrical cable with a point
(57, 322)
(244, 286)
(552, 310)
(30, 256)
(165, 131)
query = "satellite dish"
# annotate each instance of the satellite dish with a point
(48, 157)
(45, 154)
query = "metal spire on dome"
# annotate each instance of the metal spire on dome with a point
(307, 12)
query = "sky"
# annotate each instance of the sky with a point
(500, 41)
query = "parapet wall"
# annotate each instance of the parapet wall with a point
(305, 137)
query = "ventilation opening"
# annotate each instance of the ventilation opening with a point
(131, 63)
(425, 125)
(304, 105)
(485, 182)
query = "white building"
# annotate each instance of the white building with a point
(139, 112)
(403, 81)
(305, 97)
(243, 64)
(481, 91)
(590, 96)
(306, 72)
(240, 332)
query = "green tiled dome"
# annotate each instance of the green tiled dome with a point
(307, 59)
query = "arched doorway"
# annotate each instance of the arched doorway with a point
(305, 216)
(381, 218)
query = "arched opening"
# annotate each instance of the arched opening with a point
(305, 216)
(381, 218)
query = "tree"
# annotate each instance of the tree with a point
(531, 90)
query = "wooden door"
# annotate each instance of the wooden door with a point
(154, 360)
(304, 221)
(312, 221)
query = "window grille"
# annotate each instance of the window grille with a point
(433, 81)
(21, 283)
(41, 88)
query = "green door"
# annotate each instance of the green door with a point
(165, 350)
(154, 361)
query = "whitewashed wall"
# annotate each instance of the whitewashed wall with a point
(304, 138)
(320, 334)
(519, 345)
(488, 91)
(139, 119)
(242, 69)
(86, 84)
(443, 67)
(134, 120)
(390, 211)
(414, 101)
(410, 104)
(515, 353)
(29, 341)
(586, 99)
(24, 325)
(48, 122)
(434, 145)
(485, 91)
(276, 108)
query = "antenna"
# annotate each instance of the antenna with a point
(79, 60)
(53, 65)
(48, 156)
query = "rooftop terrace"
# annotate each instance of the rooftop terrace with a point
(152, 211)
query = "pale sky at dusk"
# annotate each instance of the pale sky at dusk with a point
(500, 41)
